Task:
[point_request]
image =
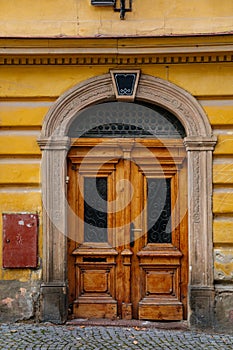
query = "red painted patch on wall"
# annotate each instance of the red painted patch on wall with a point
(20, 240)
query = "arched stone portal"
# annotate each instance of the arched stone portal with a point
(199, 145)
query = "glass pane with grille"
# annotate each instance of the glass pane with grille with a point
(159, 210)
(95, 209)
(122, 119)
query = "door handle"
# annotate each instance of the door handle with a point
(132, 230)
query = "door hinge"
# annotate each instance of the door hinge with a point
(67, 179)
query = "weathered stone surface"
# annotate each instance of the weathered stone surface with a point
(53, 303)
(201, 305)
(223, 265)
(18, 300)
(224, 310)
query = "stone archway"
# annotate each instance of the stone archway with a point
(199, 145)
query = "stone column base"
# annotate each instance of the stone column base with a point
(202, 307)
(53, 303)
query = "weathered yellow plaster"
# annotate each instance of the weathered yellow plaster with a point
(79, 18)
(19, 174)
(220, 115)
(222, 203)
(223, 264)
(224, 145)
(19, 145)
(223, 231)
(23, 114)
(224, 270)
(43, 81)
(23, 275)
(25, 200)
(223, 173)
(52, 81)
(203, 80)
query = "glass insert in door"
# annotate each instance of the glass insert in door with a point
(159, 210)
(95, 209)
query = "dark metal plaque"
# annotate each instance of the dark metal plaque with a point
(103, 2)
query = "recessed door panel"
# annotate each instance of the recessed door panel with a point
(159, 282)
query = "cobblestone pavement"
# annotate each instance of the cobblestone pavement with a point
(47, 336)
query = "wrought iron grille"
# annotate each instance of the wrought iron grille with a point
(122, 119)
(95, 209)
(159, 211)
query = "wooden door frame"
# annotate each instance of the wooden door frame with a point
(131, 159)
(199, 144)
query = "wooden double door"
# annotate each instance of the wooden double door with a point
(127, 244)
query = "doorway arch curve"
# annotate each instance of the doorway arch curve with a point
(199, 144)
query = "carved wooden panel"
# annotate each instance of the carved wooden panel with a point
(159, 282)
(95, 284)
(167, 312)
(95, 281)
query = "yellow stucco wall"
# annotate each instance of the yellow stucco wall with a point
(78, 18)
(27, 94)
(27, 91)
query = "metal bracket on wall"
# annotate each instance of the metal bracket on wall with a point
(125, 6)
(121, 6)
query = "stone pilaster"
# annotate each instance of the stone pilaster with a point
(201, 288)
(54, 287)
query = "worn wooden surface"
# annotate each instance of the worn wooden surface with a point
(115, 278)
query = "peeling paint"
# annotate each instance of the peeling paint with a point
(8, 301)
(19, 301)
(219, 257)
(23, 291)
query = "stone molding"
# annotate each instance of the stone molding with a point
(112, 51)
(199, 144)
(150, 89)
(34, 60)
(54, 144)
(61, 114)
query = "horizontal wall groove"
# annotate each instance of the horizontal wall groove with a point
(223, 245)
(216, 101)
(4, 187)
(223, 218)
(20, 129)
(20, 160)
(220, 159)
(14, 131)
(18, 189)
(15, 156)
(218, 188)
